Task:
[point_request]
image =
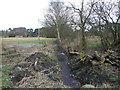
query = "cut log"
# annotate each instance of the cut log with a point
(74, 53)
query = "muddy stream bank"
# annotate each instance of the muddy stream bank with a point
(54, 67)
(66, 71)
(39, 62)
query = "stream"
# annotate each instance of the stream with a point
(65, 72)
(25, 45)
(63, 62)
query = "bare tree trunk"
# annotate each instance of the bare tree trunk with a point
(58, 34)
(83, 39)
(84, 15)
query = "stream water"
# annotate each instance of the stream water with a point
(25, 45)
(65, 72)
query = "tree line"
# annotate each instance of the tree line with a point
(44, 32)
(70, 21)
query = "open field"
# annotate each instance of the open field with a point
(93, 42)
(10, 57)
(6, 79)
(7, 41)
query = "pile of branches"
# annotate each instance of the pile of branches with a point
(110, 57)
(95, 68)
(37, 62)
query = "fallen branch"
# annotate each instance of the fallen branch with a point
(48, 68)
(74, 53)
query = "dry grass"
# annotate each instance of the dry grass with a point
(93, 39)
(25, 40)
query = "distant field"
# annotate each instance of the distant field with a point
(93, 42)
(94, 45)
(7, 41)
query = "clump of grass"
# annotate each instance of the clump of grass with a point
(6, 81)
(11, 55)
(5, 69)
(6, 78)
(113, 79)
(54, 58)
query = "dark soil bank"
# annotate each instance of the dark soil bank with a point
(66, 72)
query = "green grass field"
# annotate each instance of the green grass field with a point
(7, 41)
(94, 44)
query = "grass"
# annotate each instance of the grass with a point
(54, 58)
(114, 79)
(10, 55)
(94, 44)
(5, 77)
(7, 41)
(6, 81)
(0, 57)
(5, 69)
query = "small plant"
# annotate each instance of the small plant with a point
(78, 73)
(56, 76)
(113, 79)
(83, 57)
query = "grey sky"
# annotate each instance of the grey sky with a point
(23, 13)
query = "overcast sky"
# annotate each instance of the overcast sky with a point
(23, 13)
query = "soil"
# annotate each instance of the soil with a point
(66, 72)
(104, 75)
(33, 68)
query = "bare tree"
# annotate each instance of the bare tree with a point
(83, 13)
(57, 16)
(107, 22)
